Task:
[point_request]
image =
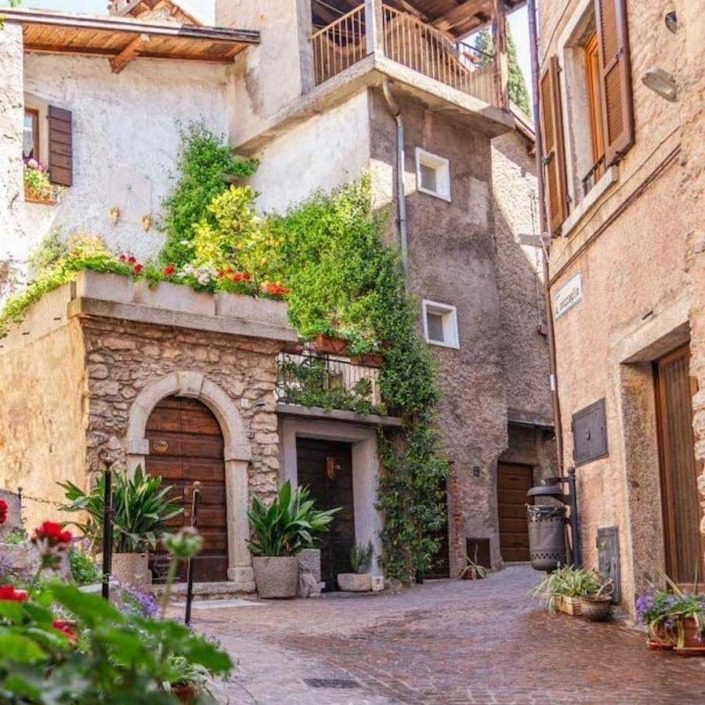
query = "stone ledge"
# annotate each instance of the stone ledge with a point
(316, 412)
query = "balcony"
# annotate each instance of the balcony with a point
(378, 28)
(329, 382)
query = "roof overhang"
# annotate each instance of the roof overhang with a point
(121, 39)
(455, 17)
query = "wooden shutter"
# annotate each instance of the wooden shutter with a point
(618, 112)
(553, 154)
(60, 147)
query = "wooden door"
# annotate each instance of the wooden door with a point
(325, 467)
(513, 482)
(185, 445)
(679, 491)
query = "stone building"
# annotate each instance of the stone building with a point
(622, 120)
(321, 94)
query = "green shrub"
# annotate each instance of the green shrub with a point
(83, 567)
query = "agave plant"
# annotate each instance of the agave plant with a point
(141, 505)
(289, 524)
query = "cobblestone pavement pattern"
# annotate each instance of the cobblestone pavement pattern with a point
(443, 643)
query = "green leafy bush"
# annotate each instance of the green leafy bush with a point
(205, 165)
(141, 505)
(289, 524)
(83, 567)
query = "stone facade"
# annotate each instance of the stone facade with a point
(635, 239)
(102, 358)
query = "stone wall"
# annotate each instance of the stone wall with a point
(123, 357)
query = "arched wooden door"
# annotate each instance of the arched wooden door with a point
(185, 445)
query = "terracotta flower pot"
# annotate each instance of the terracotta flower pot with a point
(329, 344)
(184, 693)
(690, 640)
(276, 576)
(368, 360)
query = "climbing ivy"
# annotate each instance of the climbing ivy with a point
(328, 253)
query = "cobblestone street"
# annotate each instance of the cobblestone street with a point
(442, 643)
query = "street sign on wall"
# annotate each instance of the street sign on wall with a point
(568, 296)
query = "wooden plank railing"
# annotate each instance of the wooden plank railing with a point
(408, 41)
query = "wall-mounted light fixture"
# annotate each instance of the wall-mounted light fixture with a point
(661, 82)
(147, 222)
(114, 215)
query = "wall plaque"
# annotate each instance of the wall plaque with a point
(590, 433)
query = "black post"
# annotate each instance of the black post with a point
(574, 524)
(107, 532)
(195, 503)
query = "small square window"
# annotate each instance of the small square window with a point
(440, 324)
(432, 174)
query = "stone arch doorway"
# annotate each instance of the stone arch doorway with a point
(236, 456)
(186, 445)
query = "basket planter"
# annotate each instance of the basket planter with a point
(276, 577)
(596, 608)
(355, 582)
(329, 344)
(660, 638)
(568, 605)
(690, 641)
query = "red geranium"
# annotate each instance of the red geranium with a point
(274, 289)
(3, 511)
(53, 533)
(12, 594)
(132, 259)
(169, 270)
(137, 268)
(66, 627)
(123, 258)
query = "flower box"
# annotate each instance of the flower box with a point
(368, 360)
(331, 345)
(31, 197)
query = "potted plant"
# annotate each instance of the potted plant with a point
(37, 187)
(597, 607)
(562, 589)
(279, 532)
(141, 508)
(188, 681)
(472, 569)
(358, 580)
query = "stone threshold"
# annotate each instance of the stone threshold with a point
(207, 591)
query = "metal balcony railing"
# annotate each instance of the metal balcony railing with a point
(329, 381)
(403, 38)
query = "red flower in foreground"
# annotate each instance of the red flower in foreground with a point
(3, 511)
(137, 268)
(9, 592)
(53, 533)
(66, 627)
(169, 270)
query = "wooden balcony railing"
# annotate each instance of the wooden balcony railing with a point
(407, 40)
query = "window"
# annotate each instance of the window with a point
(30, 135)
(440, 324)
(586, 106)
(432, 174)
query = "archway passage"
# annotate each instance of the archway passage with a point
(185, 445)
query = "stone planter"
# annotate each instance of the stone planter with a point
(355, 582)
(276, 576)
(23, 560)
(132, 569)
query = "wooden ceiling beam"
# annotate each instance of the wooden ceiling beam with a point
(129, 53)
(460, 14)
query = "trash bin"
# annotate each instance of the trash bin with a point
(547, 546)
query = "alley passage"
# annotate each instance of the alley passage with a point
(442, 643)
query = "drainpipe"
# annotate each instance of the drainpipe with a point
(401, 162)
(546, 246)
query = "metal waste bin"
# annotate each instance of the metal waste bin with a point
(547, 544)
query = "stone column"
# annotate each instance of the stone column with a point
(239, 558)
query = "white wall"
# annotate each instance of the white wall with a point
(126, 138)
(324, 152)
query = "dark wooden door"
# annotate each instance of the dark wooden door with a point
(513, 482)
(325, 467)
(185, 445)
(679, 491)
